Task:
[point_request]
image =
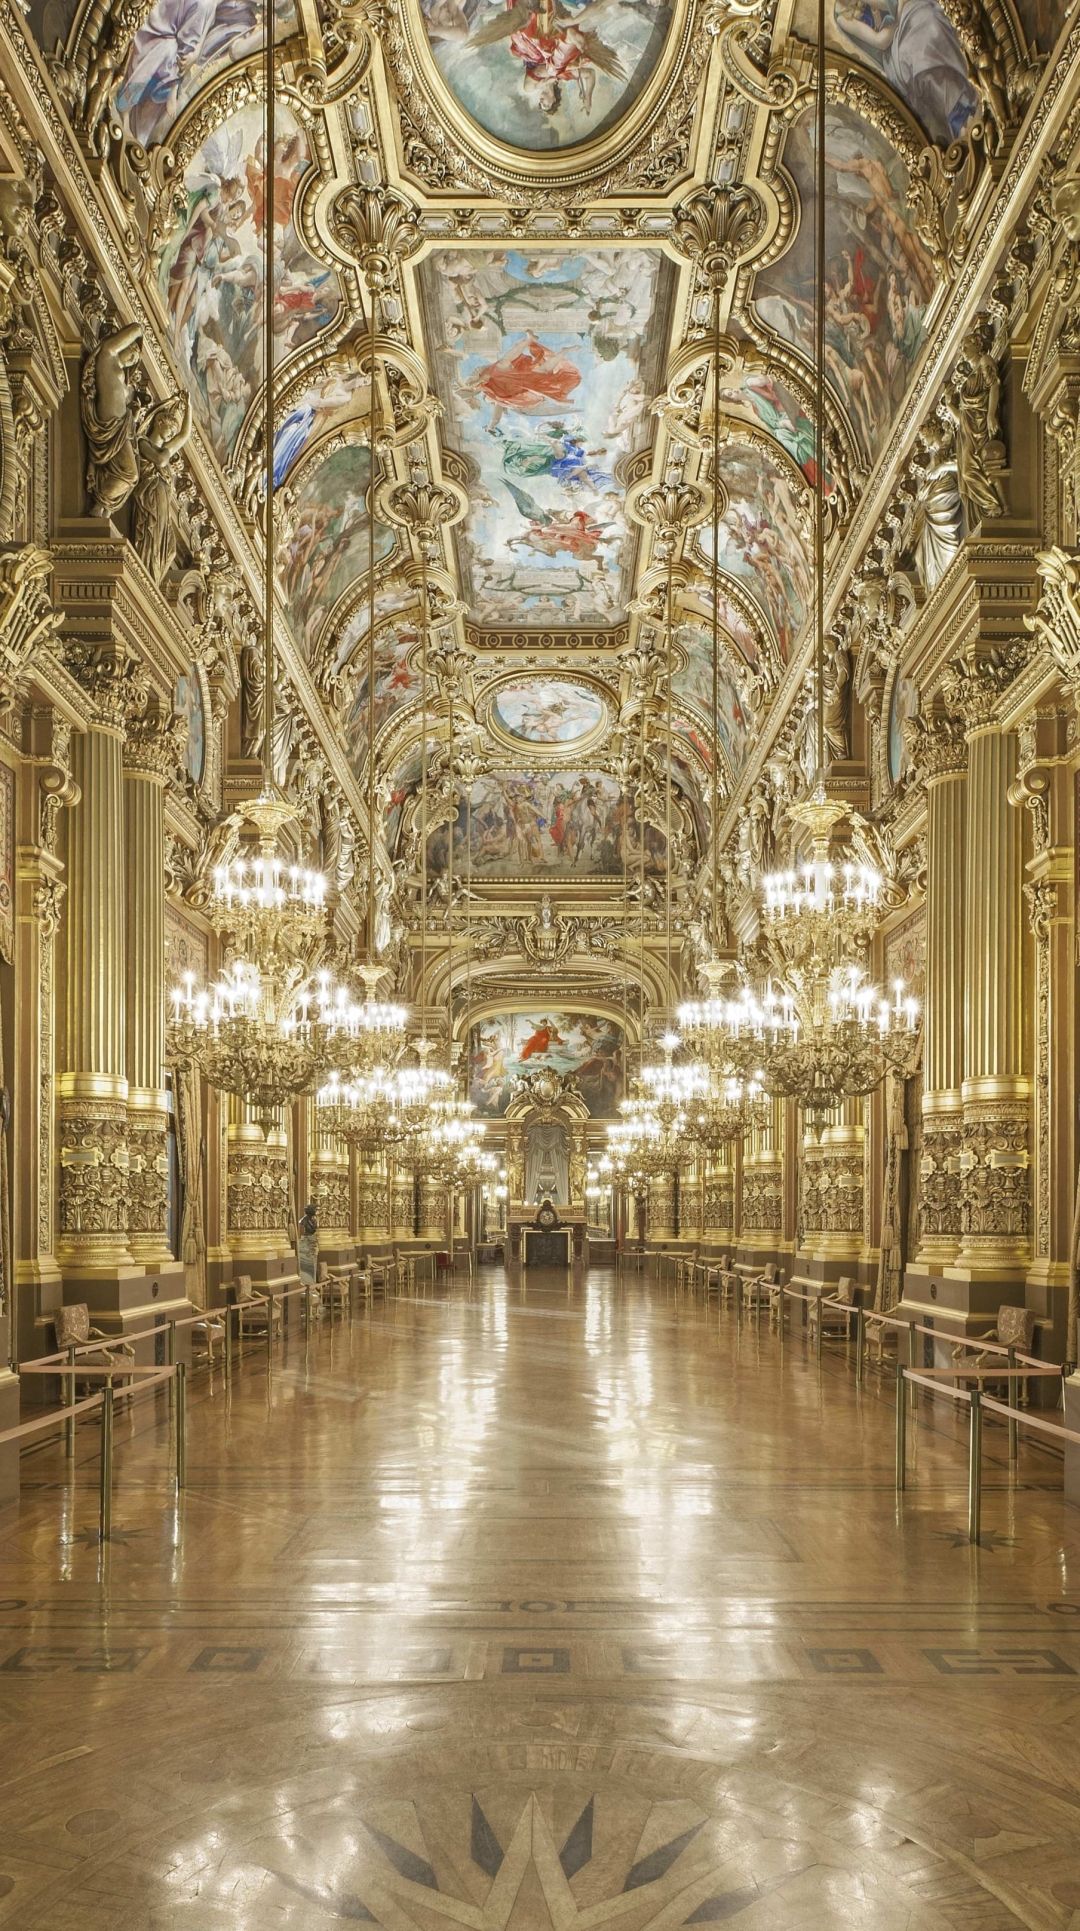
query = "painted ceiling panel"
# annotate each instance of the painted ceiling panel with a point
(694, 684)
(580, 1045)
(327, 548)
(549, 75)
(397, 684)
(181, 45)
(878, 277)
(547, 710)
(760, 541)
(547, 824)
(545, 364)
(911, 45)
(211, 270)
(333, 397)
(758, 397)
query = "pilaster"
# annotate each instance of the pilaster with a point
(941, 753)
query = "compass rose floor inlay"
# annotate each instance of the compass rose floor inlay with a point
(552, 1606)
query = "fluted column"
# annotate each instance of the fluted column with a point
(45, 788)
(93, 1087)
(401, 1202)
(433, 1208)
(994, 1177)
(942, 753)
(720, 1198)
(760, 1209)
(328, 1188)
(149, 758)
(833, 1195)
(259, 1235)
(661, 1209)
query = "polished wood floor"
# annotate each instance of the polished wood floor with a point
(540, 1608)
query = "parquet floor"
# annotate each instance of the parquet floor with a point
(546, 1608)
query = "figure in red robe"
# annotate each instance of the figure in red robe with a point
(542, 1040)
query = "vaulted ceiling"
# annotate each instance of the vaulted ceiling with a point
(544, 334)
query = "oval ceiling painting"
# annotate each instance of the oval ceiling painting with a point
(549, 75)
(547, 710)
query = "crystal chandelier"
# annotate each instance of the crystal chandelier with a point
(730, 1109)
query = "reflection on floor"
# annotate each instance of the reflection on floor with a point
(561, 1605)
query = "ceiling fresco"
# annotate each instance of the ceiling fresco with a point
(583, 1046)
(180, 47)
(326, 547)
(762, 539)
(547, 75)
(545, 364)
(210, 271)
(878, 276)
(913, 46)
(512, 196)
(547, 710)
(546, 824)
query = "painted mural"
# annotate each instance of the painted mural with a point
(547, 824)
(878, 277)
(758, 397)
(327, 546)
(211, 270)
(760, 543)
(180, 46)
(694, 683)
(397, 683)
(336, 397)
(547, 710)
(543, 372)
(546, 73)
(402, 785)
(188, 707)
(583, 1045)
(915, 49)
(50, 22)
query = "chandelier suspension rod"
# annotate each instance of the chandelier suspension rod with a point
(819, 421)
(715, 612)
(667, 790)
(424, 619)
(372, 438)
(268, 328)
(452, 807)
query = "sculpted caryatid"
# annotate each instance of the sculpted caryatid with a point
(164, 434)
(974, 405)
(109, 421)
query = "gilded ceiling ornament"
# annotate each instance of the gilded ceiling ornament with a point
(109, 418)
(378, 229)
(1056, 619)
(973, 683)
(28, 621)
(936, 747)
(972, 402)
(718, 227)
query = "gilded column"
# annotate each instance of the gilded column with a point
(941, 753)
(45, 789)
(761, 1203)
(994, 1177)
(433, 1209)
(92, 1244)
(401, 1199)
(661, 1208)
(833, 1195)
(149, 759)
(329, 1189)
(259, 1236)
(720, 1198)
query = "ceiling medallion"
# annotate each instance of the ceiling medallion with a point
(532, 98)
(551, 716)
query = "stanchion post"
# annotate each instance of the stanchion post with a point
(1014, 1443)
(228, 1345)
(913, 1361)
(105, 1472)
(860, 1344)
(901, 1429)
(180, 1377)
(170, 1356)
(975, 1467)
(781, 1315)
(818, 1309)
(69, 1425)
